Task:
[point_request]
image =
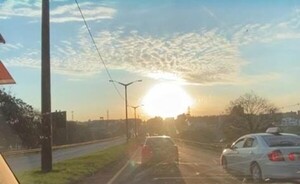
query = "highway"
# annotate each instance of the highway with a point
(23, 162)
(196, 166)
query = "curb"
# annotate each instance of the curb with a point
(36, 150)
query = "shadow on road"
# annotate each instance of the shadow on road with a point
(247, 180)
(155, 174)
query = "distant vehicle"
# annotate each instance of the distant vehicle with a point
(159, 149)
(270, 155)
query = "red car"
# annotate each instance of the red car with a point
(159, 149)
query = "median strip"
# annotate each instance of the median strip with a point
(76, 169)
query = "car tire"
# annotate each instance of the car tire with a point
(256, 174)
(224, 163)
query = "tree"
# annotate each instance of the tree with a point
(250, 113)
(22, 120)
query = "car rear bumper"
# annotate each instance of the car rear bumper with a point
(281, 171)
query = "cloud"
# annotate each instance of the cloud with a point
(59, 14)
(69, 13)
(3, 17)
(200, 57)
(268, 32)
(8, 47)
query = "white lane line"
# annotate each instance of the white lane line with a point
(189, 178)
(122, 169)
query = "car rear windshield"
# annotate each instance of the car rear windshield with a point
(282, 140)
(159, 142)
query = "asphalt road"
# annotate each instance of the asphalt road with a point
(196, 166)
(23, 162)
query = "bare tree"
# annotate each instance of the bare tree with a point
(251, 113)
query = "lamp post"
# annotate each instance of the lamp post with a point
(126, 112)
(135, 127)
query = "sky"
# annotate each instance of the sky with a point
(214, 51)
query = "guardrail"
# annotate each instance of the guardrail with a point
(211, 146)
(36, 150)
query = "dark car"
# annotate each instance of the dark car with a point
(159, 149)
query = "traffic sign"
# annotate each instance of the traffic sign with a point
(5, 77)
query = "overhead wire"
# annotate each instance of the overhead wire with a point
(98, 51)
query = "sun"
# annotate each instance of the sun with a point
(166, 100)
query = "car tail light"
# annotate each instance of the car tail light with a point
(146, 151)
(276, 155)
(292, 156)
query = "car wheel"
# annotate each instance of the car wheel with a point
(224, 163)
(256, 174)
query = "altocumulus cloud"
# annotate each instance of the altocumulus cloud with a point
(60, 14)
(198, 57)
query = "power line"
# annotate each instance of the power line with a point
(99, 54)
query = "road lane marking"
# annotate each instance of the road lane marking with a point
(123, 168)
(189, 178)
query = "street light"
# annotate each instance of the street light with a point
(134, 108)
(126, 112)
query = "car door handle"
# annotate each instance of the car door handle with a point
(251, 152)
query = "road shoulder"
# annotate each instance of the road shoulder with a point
(110, 172)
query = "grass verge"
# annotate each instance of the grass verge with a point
(73, 170)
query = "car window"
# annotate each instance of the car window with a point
(281, 140)
(159, 142)
(239, 144)
(250, 142)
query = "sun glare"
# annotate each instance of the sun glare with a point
(166, 100)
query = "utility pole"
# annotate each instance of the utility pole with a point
(46, 138)
(126, 111)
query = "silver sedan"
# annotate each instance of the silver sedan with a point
(264, 156)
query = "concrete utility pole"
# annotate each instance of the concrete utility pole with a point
(46, 138)
(126, 112)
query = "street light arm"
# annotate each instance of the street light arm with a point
(125, 84)
(135, 107)
(133, 82)
(117, 82)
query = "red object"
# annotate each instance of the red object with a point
(276, 156)
(5, 77)
(292, 156)
(146, 152)
(2, 39)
